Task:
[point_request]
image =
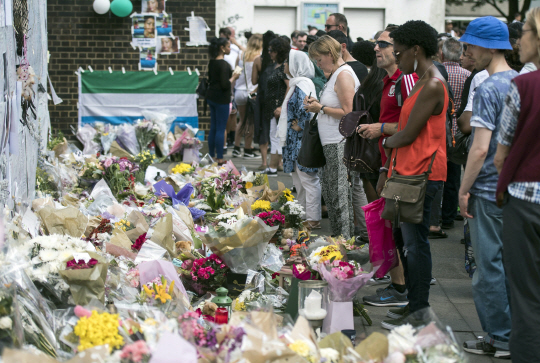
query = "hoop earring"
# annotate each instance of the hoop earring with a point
(415, 62)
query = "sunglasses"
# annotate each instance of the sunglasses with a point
(399, 54)
(383, 44)
(328, 26)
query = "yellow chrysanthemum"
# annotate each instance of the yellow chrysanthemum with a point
(328, 253)
(98, 329)
(261, 205)
(181, 168)
(300, 347)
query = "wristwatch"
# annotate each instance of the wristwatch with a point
(384, 142)
(321, 111)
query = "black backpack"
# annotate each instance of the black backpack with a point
(361, 155)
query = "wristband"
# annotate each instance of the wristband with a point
(383, 169)
(382, 128)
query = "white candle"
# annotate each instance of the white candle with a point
(312, 306)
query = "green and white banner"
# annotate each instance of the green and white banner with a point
(118, 97)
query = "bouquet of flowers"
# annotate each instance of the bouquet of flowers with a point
(11, 334)
(86, 275)
(286, 196)
(94, 329)
(250, 299)
(145, 132)
(323, 254)
(252, 179)
(157, 291)
(119, 174)
(137, 245)
(261, 206)
(293, 212)
(186, 141)
(137, 352)
(144, 159)
(46, 254)
(225, 182)
(204, 274)
(183, 169)
(91, 173)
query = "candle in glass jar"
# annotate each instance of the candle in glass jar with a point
(222, 316)
(313, 306)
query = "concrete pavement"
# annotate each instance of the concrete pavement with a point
(450, 298)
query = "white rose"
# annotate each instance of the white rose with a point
(5, 322)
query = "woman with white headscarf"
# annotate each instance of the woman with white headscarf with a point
(300, 70)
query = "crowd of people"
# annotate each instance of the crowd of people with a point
(456, 107)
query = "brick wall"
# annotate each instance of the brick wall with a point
(79, 37)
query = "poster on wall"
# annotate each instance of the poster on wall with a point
(168, 45)
(148, 59)
(316, 14)
(143, 30)
(164, 25)
(153, 6)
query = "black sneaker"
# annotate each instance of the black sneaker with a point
(270, 173)
(480, 346)
(251, 154)
(237, 152)
(406, 318)
(374, 281)
(388, 297)
(397, 313)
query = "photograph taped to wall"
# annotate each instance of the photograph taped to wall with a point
(148, 59)
(316, 14)
(164, 25)
(168, 45)
(143, 30)
(153, 6)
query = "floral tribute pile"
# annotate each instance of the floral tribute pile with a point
(121, 258)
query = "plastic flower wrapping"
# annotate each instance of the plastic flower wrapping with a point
(122, 255)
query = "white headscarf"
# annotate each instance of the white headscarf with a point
(302, 71)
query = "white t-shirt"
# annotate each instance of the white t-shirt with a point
(232, 56)
(527, 68)
(477, 81)
(327, 125)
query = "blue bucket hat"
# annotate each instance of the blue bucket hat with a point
(487, 32)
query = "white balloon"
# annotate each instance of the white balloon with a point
(102, 6)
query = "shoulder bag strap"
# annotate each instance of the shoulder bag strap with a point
(245, 76)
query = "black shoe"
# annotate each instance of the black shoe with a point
(448, 225)
(437, 234)
(388, 297)
(293, 189)
(269, 172)
(482, 347)
(237, 152)
(325, 214)
(251, 154)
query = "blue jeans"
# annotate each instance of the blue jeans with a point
(413, 245)
(489, 283)
(219, 114)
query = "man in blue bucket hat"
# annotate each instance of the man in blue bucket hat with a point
(487, 39)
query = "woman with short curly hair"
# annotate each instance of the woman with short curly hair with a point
(418, 147)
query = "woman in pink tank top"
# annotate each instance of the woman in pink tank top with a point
(421, 134)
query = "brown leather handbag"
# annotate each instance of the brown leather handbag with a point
(405, 196)
(360, 154)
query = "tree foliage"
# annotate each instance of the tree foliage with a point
(506, 8)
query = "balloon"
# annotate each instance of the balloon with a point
(121, 8)
(102, 6)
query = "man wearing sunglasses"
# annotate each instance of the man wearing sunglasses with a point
(394, 294)
(338, 21)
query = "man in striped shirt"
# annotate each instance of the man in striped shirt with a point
(451, 53)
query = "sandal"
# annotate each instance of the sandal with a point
(437, 234)
(314, 224)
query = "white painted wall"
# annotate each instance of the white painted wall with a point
(367, 16)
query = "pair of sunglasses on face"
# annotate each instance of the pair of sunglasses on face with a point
(383, 44)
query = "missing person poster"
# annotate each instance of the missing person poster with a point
(148, 59)
(168, 45)
(153, 6)
(143, 30)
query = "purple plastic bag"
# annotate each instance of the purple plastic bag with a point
(382, 248)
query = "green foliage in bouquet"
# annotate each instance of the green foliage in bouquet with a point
(360, 310)
(216, 202)
(45, 184)
(54, 141)
(144, 159)
(117, 180)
